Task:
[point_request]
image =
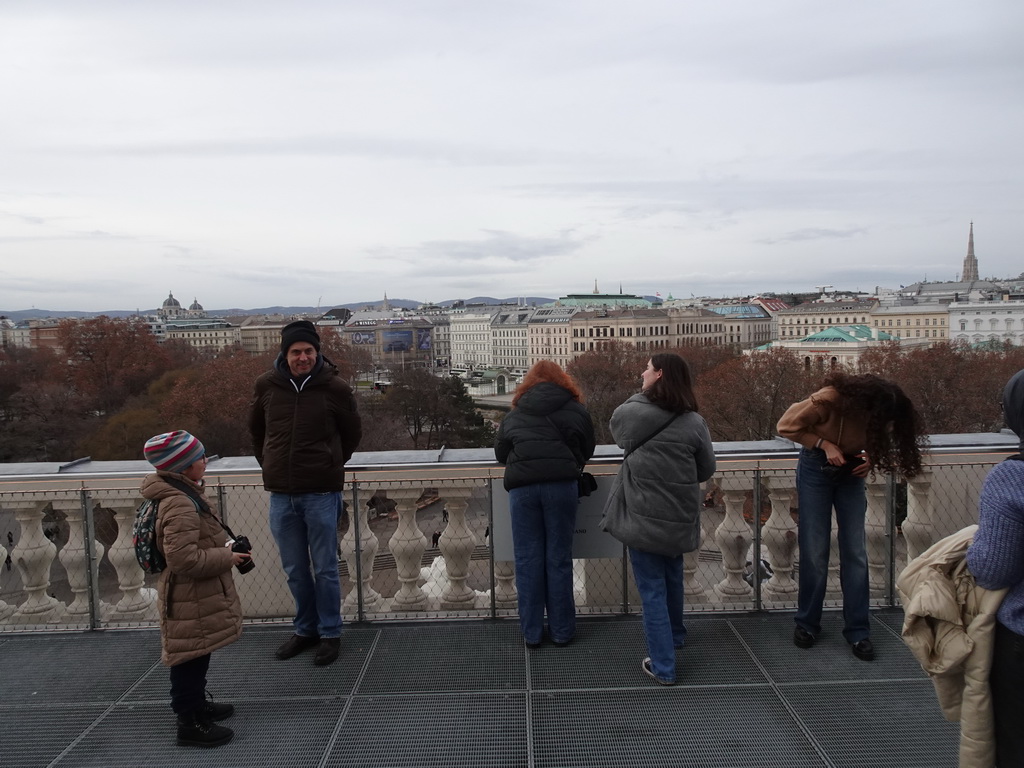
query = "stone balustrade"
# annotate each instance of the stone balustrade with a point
(69, 560)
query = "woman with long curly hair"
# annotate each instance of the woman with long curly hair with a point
(544, 442)
(851, 426)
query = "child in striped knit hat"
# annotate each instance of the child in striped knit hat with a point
(199, 608)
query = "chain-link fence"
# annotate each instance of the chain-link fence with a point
(437, 544)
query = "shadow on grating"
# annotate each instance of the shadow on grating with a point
(607, 654)
(43, 670)
(33, 737)
(443, 658)
(234, 668)
(134, 735)
(771, 641)
(877, 724)
(441, 731)
(670, 727)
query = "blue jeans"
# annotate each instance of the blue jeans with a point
(659, 580)
(305, 527)
(543, 521)
(817, 496)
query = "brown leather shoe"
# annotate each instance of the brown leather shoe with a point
(295, 645)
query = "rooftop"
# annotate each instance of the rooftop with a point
(469, 694)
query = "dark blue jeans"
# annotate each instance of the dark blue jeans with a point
(817, 497)
(543, 520)
(659, 580)
(305, 527)
(1007, 683)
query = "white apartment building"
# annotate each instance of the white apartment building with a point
(470, 330)
(509, 333)
(976, 322)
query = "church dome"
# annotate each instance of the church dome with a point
(170, 302)
(196, 306)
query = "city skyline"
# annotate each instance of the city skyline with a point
(337, 152)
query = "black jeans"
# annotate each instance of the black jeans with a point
(1007, 683)
(188, 685)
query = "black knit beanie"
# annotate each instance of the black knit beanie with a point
(300, 330)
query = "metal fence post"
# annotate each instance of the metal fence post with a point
(756, 554)
(890, 513)
(354, 524)
(222, 503)
(92, 563)
(490, 547)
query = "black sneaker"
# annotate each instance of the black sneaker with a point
(864, 650)
(194, 731)
(327, 652)
(802, 638)
(295, 645)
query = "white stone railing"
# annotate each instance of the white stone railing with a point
(425, 550)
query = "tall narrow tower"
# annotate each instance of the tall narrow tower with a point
(970, 273)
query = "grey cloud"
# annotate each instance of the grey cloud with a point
(802, 235)
(495, 251)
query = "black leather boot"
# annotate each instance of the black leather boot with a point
(194, 730)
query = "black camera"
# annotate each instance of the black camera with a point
(241, 544)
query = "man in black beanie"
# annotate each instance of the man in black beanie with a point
(305, 426)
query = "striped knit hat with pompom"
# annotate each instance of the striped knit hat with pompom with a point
(173, 451)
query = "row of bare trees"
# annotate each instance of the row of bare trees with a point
(956, 387)
(115, 386)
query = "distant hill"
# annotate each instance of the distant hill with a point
(33, 314)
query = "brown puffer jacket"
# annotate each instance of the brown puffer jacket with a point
(199, 608)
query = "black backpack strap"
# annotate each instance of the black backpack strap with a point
(1015, 457)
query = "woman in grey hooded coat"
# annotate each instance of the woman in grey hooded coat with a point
(655, 502)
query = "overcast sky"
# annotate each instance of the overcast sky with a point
(257, 153)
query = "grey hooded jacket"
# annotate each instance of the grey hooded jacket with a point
(655, 501)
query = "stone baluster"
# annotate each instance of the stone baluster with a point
(505, 594)
(733, 537)
(877, 534)
(74, 556)
(372, 600)
(33, 555)
(5, 609)
(138, 602)
(919, 528)
(457, 544)
(407, 545)
(780, 537)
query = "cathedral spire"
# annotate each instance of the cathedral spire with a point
(970, 272)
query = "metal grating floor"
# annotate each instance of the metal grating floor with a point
(454, 694)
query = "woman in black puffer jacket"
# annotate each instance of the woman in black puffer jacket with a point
(544, 442)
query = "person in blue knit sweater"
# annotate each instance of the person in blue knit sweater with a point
(996, 558)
